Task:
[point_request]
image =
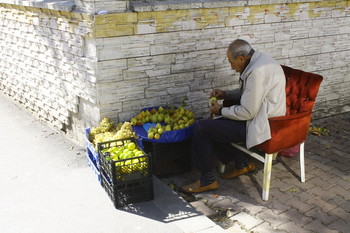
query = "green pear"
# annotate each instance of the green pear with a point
(153, 111)
(154, 118)
(150, 135)
(139, 116)
(190, 115)
(133, 120)
(152, 130)
(167, 128)
(160, 117)
(167, 119)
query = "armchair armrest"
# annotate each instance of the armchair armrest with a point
(286, 132)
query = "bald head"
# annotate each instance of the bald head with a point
(239, 53)
(239, 48)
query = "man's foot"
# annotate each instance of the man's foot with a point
(234, 173)
(195, 187)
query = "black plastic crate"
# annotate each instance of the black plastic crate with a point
(124, 169)
(169, 158)
(127, 192)
(126, 180)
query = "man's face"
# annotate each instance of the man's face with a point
(237, 63)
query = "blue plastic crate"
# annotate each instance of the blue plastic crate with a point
(89, 145)
(94, 164)
(167, 136)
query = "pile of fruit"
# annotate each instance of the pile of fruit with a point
(125, 154)
(108, 130)
(166, 119)
(128, 158)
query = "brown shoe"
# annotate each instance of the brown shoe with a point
(195, 187)
(234, 173)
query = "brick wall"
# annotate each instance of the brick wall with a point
(73, 68)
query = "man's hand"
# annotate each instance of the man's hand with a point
(215, 108)
(218, 94)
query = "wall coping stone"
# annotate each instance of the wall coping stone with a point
(60, 5)
(153, 5)
(162, 5)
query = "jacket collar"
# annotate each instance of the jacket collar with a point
(250, 64)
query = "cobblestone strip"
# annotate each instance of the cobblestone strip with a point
(321, 204)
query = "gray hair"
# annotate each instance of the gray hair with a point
(239, 48)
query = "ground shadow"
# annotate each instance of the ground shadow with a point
(167, 205)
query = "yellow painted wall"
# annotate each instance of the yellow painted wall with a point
(123, 24)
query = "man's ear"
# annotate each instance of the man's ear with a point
(241, 58)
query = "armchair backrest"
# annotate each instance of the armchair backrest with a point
(301, 90)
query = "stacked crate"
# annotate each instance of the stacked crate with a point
(127, 180)
(92, 155)
(169, 158)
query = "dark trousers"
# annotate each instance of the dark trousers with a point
(213, 137)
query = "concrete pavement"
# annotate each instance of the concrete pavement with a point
(46, 186)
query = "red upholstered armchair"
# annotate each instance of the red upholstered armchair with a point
(290, 130)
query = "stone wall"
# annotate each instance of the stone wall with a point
(73, 67)
(168, 54)
(43, 64)
(96, 6)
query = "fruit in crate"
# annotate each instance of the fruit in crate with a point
(125, 131)
(108, 130)
(127, 156)
(166, 119)
(105, 126)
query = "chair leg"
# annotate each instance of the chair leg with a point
(302, 162)
(274, 157)
(267, 176)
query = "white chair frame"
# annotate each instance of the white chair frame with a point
(267, 160)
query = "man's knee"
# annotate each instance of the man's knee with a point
(202, 126)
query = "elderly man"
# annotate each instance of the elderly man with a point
(260, 96)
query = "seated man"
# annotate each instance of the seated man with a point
(260, 96)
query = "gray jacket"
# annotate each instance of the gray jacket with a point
(263, 96)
